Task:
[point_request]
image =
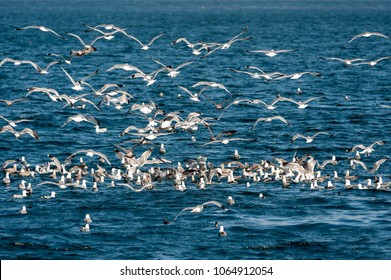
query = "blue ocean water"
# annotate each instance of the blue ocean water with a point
(290, 223)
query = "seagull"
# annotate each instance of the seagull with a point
(11, 102)
(18, 134)
(309, 139)
(23, 211)
(298, 75)
(14, 123)
(211, 84)
(72, 100)
(188, 44)
(44, 71)
(368, 34)
(40, 70)
(193, 96)
(269, 119)
(23, 195)
(107, 35)
(375, 167)
(80, 118)
(149, 78)
(89, 153)
(270, 53)
(144, 108)
(109, 27)
(266, 76)
(103, 88)
(173, 71)
(235, 38)
(199, 208)
(52, 93)
(230, 200)
(227, 140)
(224, 46)
(253, 101)
(124, 66)
(346, 62)
(42, 28)
(52, 195)
(87, 219)
(373, 62)
(254, 75)
(366, 150)
(301, 104)
(77, 85)
(222, 232)
(195, 51)
(86, 228)
(144, 46)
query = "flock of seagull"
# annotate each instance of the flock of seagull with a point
(140, 173)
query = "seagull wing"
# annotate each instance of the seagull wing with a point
(281, 119)
(321, 132)
(355, 161)
(186, 90)
(377, 164)
(183, 210)
(184, 64)
(155, 38)
(30, 132)
(69, 77)
(126, 185)
(297, 136)
(381, 142)
(78, 37)
(257, 121)
(214, 203)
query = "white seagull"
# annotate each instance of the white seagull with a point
(269, 119)
(18, 134)
(211, 84)
(345, 61)
(368, 34)
(367, 150)
(373, 62)
(89, 153)
(199, 208)
(77, 85)
(309, 139)
(193, 96)
(40, 70)
(23, 211)
(143, 46)
(86, 228)
(13, 123)
(87, 219)
(82, 118)
(269, 53)
(173, 71)
(300, 104)
(52, 195)
(42, 28)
